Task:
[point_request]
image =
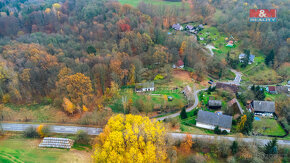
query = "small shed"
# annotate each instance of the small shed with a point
(214, 104)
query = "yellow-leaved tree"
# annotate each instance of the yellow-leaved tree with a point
(242, 122)
(68, 105)
(131, 138)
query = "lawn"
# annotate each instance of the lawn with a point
(154, 2)
(268, 126)
(26, 150)
(157, 97)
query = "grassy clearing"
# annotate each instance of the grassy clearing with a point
(268, 126)
(157, 97)
(154, 2)
(26, 150)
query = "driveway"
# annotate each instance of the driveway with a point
(187, 110)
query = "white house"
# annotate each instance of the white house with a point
(209, 120)
(144, 87)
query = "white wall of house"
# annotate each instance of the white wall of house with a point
(210, 127)
(147, 89)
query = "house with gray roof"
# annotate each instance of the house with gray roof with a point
(189, 27)
(264, 108)
(209, 120)
(177, 27)
(144, 87)
(214, 104)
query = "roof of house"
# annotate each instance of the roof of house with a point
(179, 63)
(187, 90)
(145, 85)
(200, 26)
(272, 88)
(283, 89)
(231, 87)
(214, 103)
(251, 57)
(189, 27)
(264, 106)
(176, 26)
(235, 101)
(224, 121)
(242, 55)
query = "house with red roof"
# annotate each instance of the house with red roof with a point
(272, 89)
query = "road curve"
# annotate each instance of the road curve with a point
(187, 110)
(53, 128)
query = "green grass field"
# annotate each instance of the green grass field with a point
(154, 2)
(26, 150)
(157, 98)
(268, 126)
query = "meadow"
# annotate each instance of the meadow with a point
(19, 150)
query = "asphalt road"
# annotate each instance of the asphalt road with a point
(53, 128)
(209, 138)
(187, 110)
(97, 131)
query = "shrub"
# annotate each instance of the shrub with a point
(30, 132)
(82, 137)
(235, 147)
(217, 130)
(183, 114)
(43, 130)
(158, 77)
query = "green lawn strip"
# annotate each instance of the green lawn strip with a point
(267, 126)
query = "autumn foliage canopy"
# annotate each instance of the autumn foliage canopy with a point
(131, 138)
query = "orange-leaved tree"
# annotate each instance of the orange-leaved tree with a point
(187, 144)
(131, 138)
(76, 86)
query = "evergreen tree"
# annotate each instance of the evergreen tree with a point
(271, 147)
(217, 130)
(269, 60)
(234, 147)
(91, 50)
(183, 113)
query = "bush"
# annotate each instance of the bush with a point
(30, 132)
(183, 113)
(82, 137)
(43, 130)
(158, 77)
